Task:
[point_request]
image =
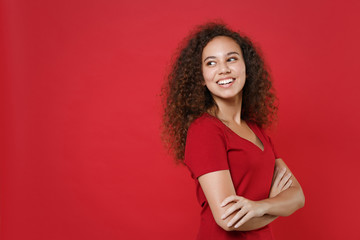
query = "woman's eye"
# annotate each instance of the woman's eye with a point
(232, 59)
(210, 63)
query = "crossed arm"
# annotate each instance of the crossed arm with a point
(236, 213)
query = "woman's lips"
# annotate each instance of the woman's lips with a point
(225, 83)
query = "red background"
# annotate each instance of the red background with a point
(81, 116)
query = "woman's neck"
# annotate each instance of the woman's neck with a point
(229, 110)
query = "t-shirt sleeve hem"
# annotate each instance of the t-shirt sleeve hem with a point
(205, 149)
(206, 171)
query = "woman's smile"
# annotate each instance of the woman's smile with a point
(223, 68)
(225, 83)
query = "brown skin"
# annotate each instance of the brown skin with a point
(185, 97)
(236, 213)
(223, 71)
(193, 89)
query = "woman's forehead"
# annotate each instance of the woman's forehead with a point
(221, 45)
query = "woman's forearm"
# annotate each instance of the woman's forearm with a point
(252, 224)
(288, 201)
(285, 203)
(255, 223)
(243, 214)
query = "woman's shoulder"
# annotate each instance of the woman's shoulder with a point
(205, 120)
(205, 123)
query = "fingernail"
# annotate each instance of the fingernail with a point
(223, 216)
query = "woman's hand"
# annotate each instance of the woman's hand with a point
(281, 181)
(217, 186)
(246, 208)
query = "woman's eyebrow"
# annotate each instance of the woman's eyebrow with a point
(233, 53)
(208, 58)
(230, 53)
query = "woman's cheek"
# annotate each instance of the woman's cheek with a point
(207, 77)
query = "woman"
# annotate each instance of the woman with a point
(219, 97)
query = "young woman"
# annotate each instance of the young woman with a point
(218, 99)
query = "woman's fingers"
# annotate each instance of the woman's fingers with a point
(287, 185)
(279, 176)
(275, 174)
(243, 220)
(280, 180)
(237, 217)
(284, 181)
(229, 199)
(232, 209)
(244, 209)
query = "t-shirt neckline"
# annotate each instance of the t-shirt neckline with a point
(244, 139)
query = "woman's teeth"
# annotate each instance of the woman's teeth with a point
(226, 81)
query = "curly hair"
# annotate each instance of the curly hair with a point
(185, 98)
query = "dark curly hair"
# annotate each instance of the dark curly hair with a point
(185, 98)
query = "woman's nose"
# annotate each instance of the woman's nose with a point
(224, 68)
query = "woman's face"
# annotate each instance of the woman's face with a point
(223, 68)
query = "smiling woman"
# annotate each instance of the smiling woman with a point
(217, 101)
(224, 67)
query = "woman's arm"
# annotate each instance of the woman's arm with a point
(286, 202)
(217, 185)
(283, 204)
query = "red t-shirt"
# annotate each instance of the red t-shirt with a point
(212, 146)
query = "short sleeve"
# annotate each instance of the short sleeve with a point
(205, 149)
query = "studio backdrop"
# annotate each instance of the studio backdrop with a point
(81, 156)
